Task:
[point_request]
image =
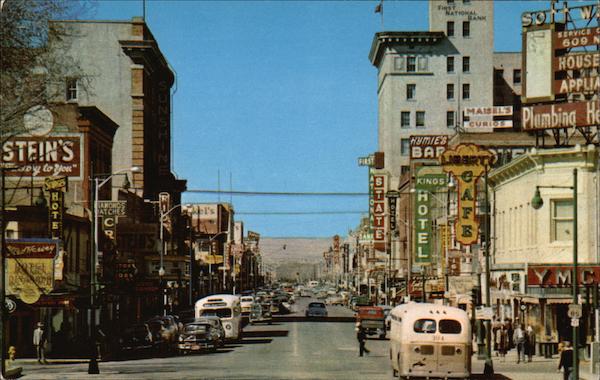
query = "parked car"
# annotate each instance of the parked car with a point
(316, 309)
(197, 336)
(306, 293)
(217, 325)
(335, 300)
(136, 339)
(164, 331)
(372, 320)
(358, 301)
(261, 312)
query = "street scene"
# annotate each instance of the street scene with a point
(300, 190)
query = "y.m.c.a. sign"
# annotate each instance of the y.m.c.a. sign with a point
(561, 275)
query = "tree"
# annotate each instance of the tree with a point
(31, 73)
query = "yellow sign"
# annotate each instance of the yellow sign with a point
(466, 164)
(212, 259)
(30, 294)
(24, 274)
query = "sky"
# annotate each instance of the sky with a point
(280, 96)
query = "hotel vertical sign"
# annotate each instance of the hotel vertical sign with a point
(427, 180)
(467, 163)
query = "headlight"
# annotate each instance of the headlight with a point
(228, 327)
(180, 338)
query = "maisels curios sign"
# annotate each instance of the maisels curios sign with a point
(467, 163)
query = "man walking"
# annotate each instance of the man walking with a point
(361, 336)
(520, 340)
(39, 341)
(566, 361)
(530, 332)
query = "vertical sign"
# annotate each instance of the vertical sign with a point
(392, 196)
(427, 180)
(467, 163)
(379, 188)
(55, 210)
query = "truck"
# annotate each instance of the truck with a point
(372, 320)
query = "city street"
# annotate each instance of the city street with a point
(283, 350)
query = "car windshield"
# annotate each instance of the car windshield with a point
(316, 305)
(195, 328)
(246, 299)
(221, 313)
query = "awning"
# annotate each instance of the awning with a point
(559, 301)
(533, 300)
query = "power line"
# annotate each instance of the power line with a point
(278, 193)
(302, 213)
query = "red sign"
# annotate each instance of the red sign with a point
(24, 249)
(561, 275)
(562, 115)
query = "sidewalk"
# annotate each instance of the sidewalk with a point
(539, 368)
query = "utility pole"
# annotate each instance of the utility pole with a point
(3, 310)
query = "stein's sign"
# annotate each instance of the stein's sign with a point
(46, 156)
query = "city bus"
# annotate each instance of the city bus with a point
(429, 340)
(227, 308)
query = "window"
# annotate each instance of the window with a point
(426, 326)
(411, 91)
(562, 220)
(466, 64)
(405, 119)
(466, 91)
(466, 29)
(499, 75)
(450, 326)
(517, 76)
(420, 119)
(450, 119)
(450, 64)
(450, 28)
(411, 64)
(450, 1)
(403, 170)
(404, 147)
(423, 64)
(399, 63)
(466, 1)
(450, 91)
(71, 92)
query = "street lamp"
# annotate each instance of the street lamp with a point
(537, 202)
(97, 184)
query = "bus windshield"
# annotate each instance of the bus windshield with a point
(221, 312)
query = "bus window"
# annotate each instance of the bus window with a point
(426, 326)
(221, 313)
(450, 326)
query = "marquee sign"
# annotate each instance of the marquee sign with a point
(378, 210)
(467, 163)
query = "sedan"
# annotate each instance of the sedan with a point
(316, 309)
(197, 336)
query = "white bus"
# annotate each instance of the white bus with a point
(227, 308)
(429, 340)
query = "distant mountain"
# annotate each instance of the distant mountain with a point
(278, 251)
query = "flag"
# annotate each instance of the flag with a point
(379, 7)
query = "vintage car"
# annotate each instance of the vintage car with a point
(197, 336)
(136, 339)
(246, 305)
(316, 309)
(261, 312)
(217, 325)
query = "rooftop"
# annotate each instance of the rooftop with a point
(406, 38)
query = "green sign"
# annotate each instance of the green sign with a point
(427, 180)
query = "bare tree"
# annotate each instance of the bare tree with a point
(32, 74)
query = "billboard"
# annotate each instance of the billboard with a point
(205, 218)
(561, 115)
(545, 275)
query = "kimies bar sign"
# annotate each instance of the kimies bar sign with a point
(561, 275)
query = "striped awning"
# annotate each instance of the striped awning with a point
(559, 301)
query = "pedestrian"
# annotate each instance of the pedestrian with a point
(510, 332)
(39, 341)
(530, 342)
(502, 341)
(566, 360)
(361, 336)
(520, 339)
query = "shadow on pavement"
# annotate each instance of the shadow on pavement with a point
(264, 333)
(496, 376)
(257, 341)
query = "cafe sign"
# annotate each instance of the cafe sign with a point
(30, 267)
(467, 163)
